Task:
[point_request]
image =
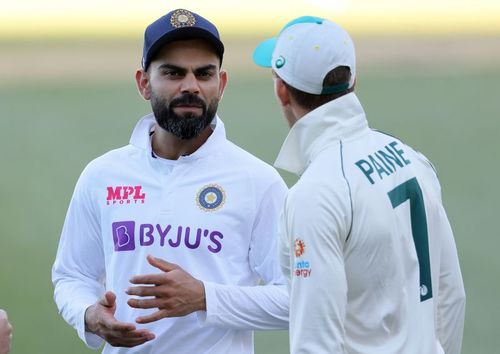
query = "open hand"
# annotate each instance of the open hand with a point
(174, 292)
(100, 319)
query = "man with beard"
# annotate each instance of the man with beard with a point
(169, 243)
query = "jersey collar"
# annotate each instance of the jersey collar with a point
(143, 129)
(339, 119)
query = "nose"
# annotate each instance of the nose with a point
(190, 84)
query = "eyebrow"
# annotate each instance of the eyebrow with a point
(204, 68)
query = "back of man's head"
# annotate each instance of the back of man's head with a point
(314, 57)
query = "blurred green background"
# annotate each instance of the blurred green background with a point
(62, 103)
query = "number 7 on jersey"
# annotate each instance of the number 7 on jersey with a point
(411, 190)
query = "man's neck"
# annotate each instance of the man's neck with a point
(168, 146)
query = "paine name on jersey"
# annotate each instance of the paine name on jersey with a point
(383, 162)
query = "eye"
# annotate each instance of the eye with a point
(204, 75)
(170, 73)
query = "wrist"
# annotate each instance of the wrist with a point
(203, 300)
(89, 319)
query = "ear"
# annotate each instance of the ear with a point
(142, 81)
(281, 92)
(223, 83)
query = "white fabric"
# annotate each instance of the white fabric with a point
(350, 256)
(232, 249)
(306, 52)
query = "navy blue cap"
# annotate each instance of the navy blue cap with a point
(178, 25)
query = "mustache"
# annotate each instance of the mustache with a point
(188, 99)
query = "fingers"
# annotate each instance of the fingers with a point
(108, 300)
(155, 279)
(129, 338)
(120, 334)
(158, 315)
(142, 291)
(117, 326)
(161, 264)
(145, 304)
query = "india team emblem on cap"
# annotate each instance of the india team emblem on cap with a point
(299, 247)
(182, 18)
(211, 197)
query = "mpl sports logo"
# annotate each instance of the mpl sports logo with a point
(302, 268)
(123, 195)
(127, 236)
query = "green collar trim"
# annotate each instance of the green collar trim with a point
(328, 90)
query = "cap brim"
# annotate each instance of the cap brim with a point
(263, 53)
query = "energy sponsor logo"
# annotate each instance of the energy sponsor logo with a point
(302, 268)
(211, 197)
(123, 195)
(127, 236)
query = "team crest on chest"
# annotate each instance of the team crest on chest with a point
(211, 197)
(182, 18)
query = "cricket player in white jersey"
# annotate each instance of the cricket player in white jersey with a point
(170, 243)
(365, 240)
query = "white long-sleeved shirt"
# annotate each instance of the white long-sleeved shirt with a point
(214, 213)
(365, 242)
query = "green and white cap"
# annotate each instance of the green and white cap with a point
(307, 49)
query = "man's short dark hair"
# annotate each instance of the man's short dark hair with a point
(337, 76)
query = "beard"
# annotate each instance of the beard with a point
(187, 125)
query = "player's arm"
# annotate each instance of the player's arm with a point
(317, 222)
(262, 307)
(450, 291)
(451, 296)
(173, 292)
(78, 271)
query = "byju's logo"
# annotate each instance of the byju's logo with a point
(123, 235)
(126, 237)
(125, 195)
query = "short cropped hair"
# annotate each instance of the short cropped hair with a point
(339, 75)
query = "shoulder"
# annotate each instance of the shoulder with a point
(322, 186)
(419, 158)
(113, 160)
(421, 166)
(251, 165)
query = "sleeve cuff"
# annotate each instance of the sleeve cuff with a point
(91, 340)
(208, 317)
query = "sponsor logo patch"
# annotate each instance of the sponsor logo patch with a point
(127, 236)
(299, 247)
(211, 197)
(122, 195)
(302, 268)
(124, 235)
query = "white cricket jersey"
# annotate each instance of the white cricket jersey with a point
(214, 213)
(365, 241)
